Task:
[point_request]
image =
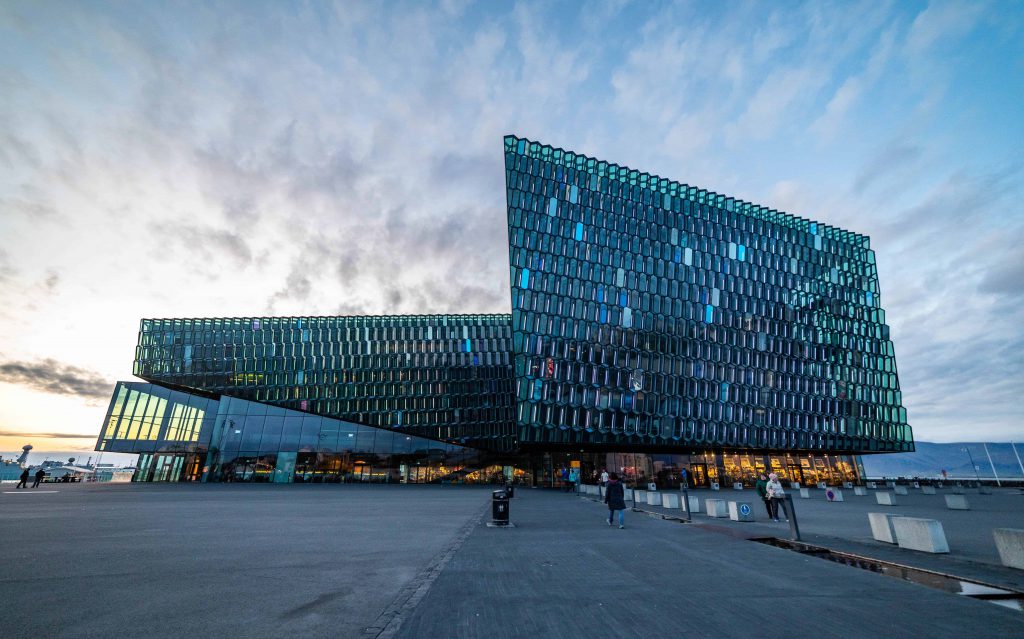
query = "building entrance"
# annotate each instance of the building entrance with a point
(699, 475)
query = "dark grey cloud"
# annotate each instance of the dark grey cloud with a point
(28, 433)
(51, 376)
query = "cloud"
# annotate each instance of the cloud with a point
(29, 433)
(51, 376)
(890, 160)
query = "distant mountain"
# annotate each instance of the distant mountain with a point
(931, 459)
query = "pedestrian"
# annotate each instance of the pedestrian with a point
(24, 479)
(604, 479)
(574, 479)
(565, 479)
(615, 497)
(39, 477)
(762, 491)
(777, 496)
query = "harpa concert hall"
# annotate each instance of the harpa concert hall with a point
(655, 327)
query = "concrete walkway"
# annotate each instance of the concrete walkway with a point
(563, 572)
(844, 526)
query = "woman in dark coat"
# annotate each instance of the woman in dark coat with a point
(614, 496)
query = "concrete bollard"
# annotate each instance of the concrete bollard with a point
(885, 498)
(900, 490)
(822, 485)
(834, 494)
(694, 505)
(1010, 544)
(890, 484)
(927, 490)
(627, 494)
(957, 502)
(670, 500)
(740, 511)
(915, 533)
(794, 485)
(881, 527)
(860, 491)
(805, 493)
(916, 484)
(848, 485)
(737, 485)
(714, 485)
(640, 496)
(653, 498)
(716, 508)
(872, 485)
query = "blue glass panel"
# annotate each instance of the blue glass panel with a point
(623, 298)
(741, 252)
(468, 345)
(574, 194)
(579, 230)
(709, 314)
(552, 206)
(524, 278)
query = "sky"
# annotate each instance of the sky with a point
(182, 159)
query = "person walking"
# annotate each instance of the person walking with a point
(565, 479)
(777, 496)
(39, 477)
(762, 491)
(615, 497)
(604, 480)
(24, 479)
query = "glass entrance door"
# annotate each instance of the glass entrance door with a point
(699, 475)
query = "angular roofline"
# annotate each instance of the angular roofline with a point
(579, 161)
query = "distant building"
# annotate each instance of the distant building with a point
(655, 327)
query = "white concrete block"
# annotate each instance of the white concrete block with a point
(915, 533)
(890, 484)
(805, 493)
(927, 490)
(694, 504)
(640, 496)
(716, 508)
(881, 527)
(848, 485)
(900, 490)
(670, 500)
(714, 485)
(834, 494)
(627, 494)
(872, 485)
(1010, 544)
(885, 498)
(957, 502)
(794, 485)
(653, 498)
(822, 485)
(737, 485)
(916, 484)
(860, 491)
(741, 511)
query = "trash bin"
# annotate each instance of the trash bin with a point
(499, 508)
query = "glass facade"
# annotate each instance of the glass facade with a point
(446, 377)
(191, 437)
(652, 315)
(655, 326)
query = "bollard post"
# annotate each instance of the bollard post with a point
(686, 502)
(794, 528)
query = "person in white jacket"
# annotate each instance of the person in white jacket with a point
(776, 496)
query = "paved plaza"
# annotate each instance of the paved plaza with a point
(416, 561)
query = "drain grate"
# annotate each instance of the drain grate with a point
(974, 589)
